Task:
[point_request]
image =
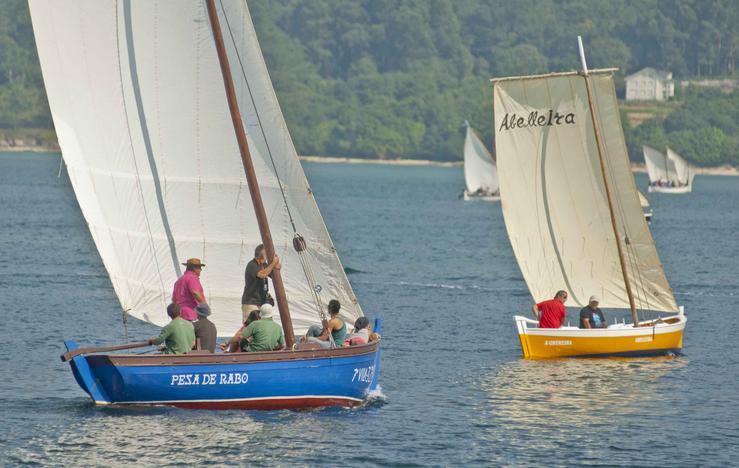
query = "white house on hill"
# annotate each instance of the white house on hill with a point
(649, 84)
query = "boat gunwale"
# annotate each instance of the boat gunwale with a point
(604, 333)
(139, 360)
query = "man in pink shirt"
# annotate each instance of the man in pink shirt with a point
(188, 292)
(551, 313)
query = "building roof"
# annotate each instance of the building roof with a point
(652, 73)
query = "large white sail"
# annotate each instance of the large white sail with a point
(480, 172)
(658, 166)
(683, 172)
(139, 106)
(553, 196)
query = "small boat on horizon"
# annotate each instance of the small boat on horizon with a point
(573, 215)
(480, 173)
(176, 147)
(668, 172)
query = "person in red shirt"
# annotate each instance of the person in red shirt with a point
(551, 313)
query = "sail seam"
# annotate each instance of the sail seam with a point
(145, 135)
(133, 151)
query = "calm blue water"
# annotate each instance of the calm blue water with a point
(441, 273)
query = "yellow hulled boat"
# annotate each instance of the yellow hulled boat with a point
(573, 215)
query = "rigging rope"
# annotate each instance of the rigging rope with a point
(299, 243)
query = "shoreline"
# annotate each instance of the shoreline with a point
(635, 167)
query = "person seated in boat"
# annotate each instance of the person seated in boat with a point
(235, 343)
(205, 330)
(265, 333)
(178, 336)
(360, 334)
(551, 313)
(335, 328)
(591, 316)
(256, 286)
(187, 291)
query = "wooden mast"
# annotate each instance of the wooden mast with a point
(599, 144)
(251, 177)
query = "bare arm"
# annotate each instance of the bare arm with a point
(536, 311)
(198, 297)
(266, 271)
(587, 323)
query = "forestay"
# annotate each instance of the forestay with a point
(139, 107)
(480, 172)
(553, 195)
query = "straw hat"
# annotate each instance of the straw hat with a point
(194, 262)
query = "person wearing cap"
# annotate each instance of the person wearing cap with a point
(187, 291)
(264, 334)
(178, 335)
(551, 313)
(256, 286)
(591, 316)
(205, 330)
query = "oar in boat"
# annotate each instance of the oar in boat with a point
(76, 352)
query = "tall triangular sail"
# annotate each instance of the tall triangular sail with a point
(683, 172)
(480, 172)
(137, 97)
(659, 167)
(553, 195)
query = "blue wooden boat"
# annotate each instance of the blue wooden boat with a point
(173, 155)
(266, 381)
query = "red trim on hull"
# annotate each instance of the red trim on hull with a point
(266, 404)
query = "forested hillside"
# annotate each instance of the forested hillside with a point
(392, 78)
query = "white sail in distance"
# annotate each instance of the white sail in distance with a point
(553, 194)
(643, 200)
(660, 167)
(683, 172)
(480, 172)
(138, 102)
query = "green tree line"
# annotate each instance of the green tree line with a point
(396, 78)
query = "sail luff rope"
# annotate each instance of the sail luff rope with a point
(298, 240)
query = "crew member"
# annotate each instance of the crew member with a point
(591, 316)
(256, 286)
(551, 313)
(178, 335)
(187, 291)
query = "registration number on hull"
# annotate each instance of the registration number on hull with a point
(558, 343)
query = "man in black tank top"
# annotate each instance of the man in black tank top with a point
(256, 286)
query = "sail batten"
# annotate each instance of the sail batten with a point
(137, 97)
(553, 193)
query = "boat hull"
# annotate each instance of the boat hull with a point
(649, 339)
(274, 380)
(483, 197)
(658, 189)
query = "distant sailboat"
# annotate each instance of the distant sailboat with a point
(668, 172)
(645, 206)
(573, 214)
(176, 147)
(480, 173)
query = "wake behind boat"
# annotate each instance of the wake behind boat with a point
(573, 214)
(668, 172)
(173, 156)
(480, 173)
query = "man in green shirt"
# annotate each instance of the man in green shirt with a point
(178, 335)
(264, 334)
